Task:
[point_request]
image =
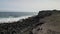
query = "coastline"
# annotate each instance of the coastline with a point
(27, 25)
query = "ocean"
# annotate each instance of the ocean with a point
(8, 17)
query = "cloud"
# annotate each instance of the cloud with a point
(28, 5)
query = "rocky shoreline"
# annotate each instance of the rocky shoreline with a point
(26, 26)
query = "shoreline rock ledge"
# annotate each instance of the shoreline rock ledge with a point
(46, 22)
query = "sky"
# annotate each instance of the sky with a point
(29, 5)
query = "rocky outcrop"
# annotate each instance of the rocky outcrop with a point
(51, 24)
(35, 24)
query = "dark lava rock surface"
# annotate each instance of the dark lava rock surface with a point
(26, 25)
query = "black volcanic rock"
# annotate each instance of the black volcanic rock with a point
(51, 23)
(26, 25)
(43, 14)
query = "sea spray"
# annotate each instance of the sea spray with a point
(12, 19)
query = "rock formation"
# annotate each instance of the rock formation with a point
(46, 22)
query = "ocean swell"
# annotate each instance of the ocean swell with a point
(12, 19)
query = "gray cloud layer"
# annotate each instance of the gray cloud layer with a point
(28, 5)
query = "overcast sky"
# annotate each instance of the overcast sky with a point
(28, 5)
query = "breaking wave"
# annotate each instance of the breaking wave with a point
(12, 19)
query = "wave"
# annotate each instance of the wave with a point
(12, 19)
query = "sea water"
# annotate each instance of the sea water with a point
(7, 17)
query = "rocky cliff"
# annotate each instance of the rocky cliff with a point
(46, 22)
(51, 20)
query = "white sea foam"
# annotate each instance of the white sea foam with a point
(12, 19)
